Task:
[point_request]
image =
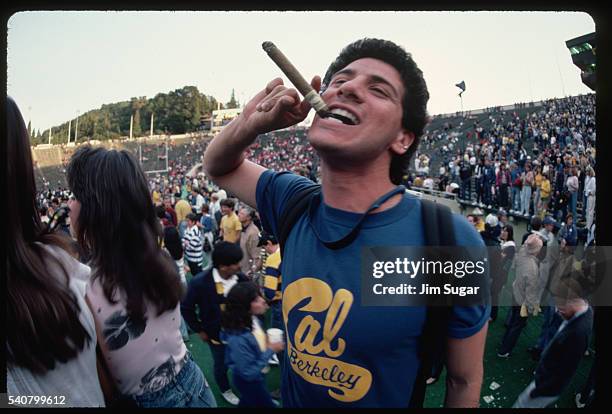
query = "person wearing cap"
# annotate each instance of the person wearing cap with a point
(502, 216)
(479, 224)
(526, 293)
(568, 231)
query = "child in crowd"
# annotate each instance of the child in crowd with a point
(248, 350)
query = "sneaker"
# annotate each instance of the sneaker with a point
(431, 380)
(276, 394)
(273, 360)
(506, 355)
(230, 397)
(578, 403)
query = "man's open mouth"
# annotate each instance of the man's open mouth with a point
(343, 116)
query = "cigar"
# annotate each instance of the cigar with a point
(301, 84)
(296, 78)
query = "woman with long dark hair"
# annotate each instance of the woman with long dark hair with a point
(135, 289)
(248, 351)
(51, 342)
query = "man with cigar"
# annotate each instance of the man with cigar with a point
(340, 353)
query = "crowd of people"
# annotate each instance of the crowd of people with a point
(112, 274)
(493, 168)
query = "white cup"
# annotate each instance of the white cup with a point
(275, 335)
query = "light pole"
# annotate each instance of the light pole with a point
(76, 129)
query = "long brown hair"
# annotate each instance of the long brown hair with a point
(43, 311)
(118, 225)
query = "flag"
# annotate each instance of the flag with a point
(461, 85)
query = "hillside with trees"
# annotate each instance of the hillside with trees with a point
(176, 112)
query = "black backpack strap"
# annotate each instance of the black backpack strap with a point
(439, 231)
(296, 206)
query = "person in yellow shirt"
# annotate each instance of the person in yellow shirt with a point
(544, 193)
(156, 196)
(478, 221)
(538, 189)
(230, 227)
(182, 208)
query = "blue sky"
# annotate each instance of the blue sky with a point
(61, 62)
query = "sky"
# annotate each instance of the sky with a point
(64, 63)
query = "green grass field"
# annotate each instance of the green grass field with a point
(512, 374)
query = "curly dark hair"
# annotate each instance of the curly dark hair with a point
(415, 116)
(237, 314)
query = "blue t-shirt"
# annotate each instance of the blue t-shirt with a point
(338, 352)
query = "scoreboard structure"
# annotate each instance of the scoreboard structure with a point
(582, 50)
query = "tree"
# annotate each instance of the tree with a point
(29, 128)
(233, 103)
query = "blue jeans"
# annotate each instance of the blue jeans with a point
(220, 369)
(183, 329)
(573, 201)
(516, 198)
(525, 199)
(253, 393)
(188, 389)
(182, 227)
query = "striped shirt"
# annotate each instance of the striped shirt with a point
(272, 278)
(194, 247)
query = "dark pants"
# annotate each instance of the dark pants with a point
(218, 354)
(515, 327)
(276, 321)
(494, 312)
(276, 315)
(587, 393)
(466, 190)
(194, 267)
(503, 196)
(253, 393)
(487, 192)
